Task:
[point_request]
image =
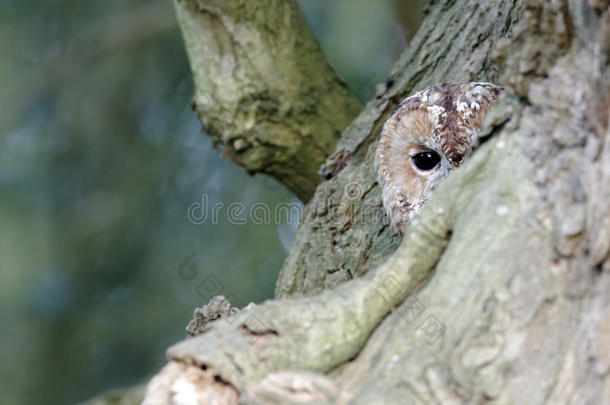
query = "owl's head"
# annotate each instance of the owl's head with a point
(429, 135)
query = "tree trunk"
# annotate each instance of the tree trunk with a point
(498, 293)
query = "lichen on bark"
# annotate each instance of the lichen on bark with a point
(263, 88)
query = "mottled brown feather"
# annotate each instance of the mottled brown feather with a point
(444, 118)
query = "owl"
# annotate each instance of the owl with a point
(429, 135)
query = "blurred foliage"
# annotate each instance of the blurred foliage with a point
(100, 159)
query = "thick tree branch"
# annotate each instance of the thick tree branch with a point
(263, 88)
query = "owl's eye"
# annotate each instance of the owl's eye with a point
(426, 160)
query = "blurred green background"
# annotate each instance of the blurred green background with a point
(100, 158)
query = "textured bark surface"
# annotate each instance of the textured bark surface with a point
(345, 232)
(263, 87)
(499, 292)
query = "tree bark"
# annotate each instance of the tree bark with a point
(500, 290)
(263, 87)
(345, 233)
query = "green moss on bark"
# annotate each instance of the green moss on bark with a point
(263, 89)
